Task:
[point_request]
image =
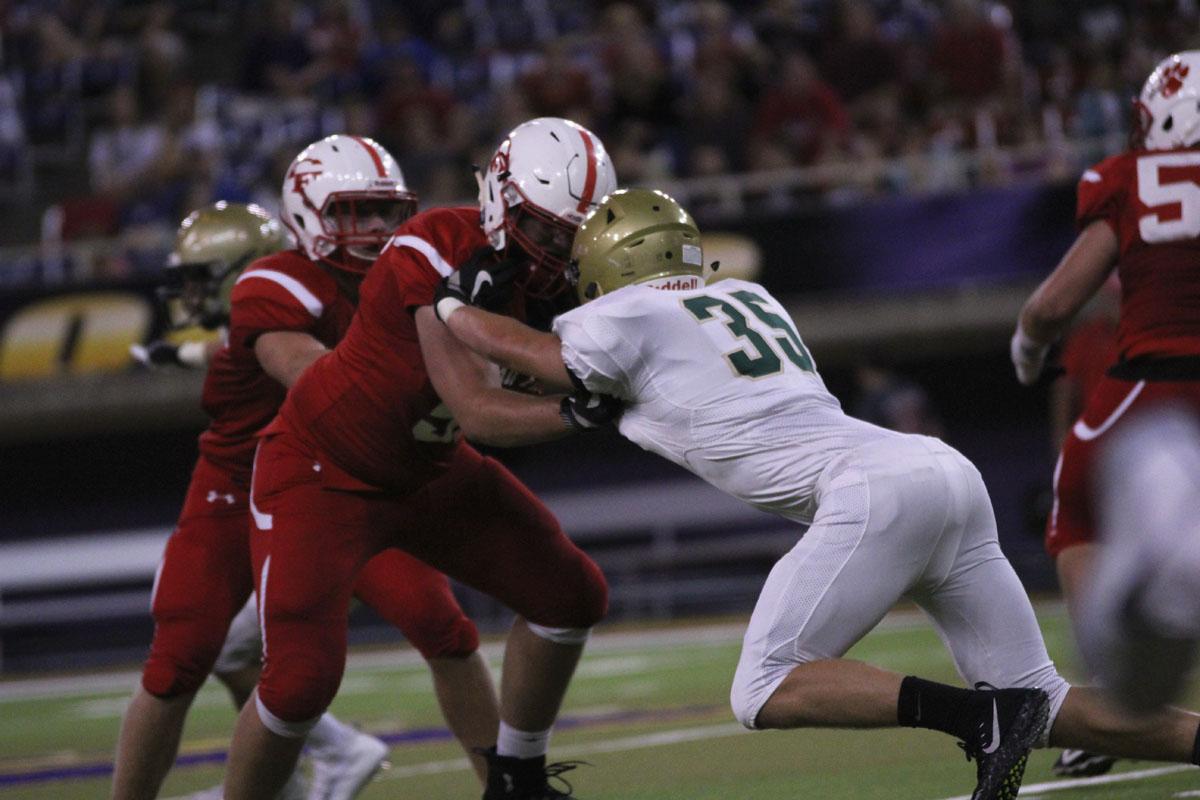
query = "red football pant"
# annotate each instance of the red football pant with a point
(202, 582)
(1071, 520)
(476, 523)
(206, 576)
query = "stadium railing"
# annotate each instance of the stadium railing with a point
(675, 547)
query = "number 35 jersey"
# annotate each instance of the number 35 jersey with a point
(717, 380)
(1151, 200)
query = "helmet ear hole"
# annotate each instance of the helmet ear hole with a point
(591, 291)
(1168, 123)
(299, 220)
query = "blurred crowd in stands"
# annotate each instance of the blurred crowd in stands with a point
(123, 114)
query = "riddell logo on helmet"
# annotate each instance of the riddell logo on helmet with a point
(1173, 79)
(678, 284)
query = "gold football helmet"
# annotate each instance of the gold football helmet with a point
(212, 247)
(635, 236)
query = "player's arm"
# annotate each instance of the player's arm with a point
(512, 344)
(470, 388)
(1051, 307)
(284, 355)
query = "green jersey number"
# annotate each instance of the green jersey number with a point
(762, 359)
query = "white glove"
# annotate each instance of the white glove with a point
(1028, 356)
(192, 355)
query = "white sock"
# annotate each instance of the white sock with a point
(522, 744)
(329, 734)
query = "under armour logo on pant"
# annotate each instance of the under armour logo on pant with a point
(214, 496)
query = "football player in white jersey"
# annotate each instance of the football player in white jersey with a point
(717, 379)
(1139, 627)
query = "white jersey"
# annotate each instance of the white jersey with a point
(717, 380)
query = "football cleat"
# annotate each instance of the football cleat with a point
(1081, 764)
(342, 774)
(512, 778)
(1006, 731)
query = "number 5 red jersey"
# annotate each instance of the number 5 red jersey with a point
(1151, 200)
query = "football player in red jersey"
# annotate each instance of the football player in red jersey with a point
(365, 454)
(286, 308)
(1138, 212)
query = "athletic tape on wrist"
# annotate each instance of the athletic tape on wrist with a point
(1025, 344)
(447, 306)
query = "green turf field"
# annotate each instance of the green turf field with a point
(648, 710)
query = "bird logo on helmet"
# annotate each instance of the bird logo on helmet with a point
(343, 196)
(212, 247)
(1167, 112)
(540, 184)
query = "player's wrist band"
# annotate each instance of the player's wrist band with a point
(569, 419)
(1023, 343)
(447, 306)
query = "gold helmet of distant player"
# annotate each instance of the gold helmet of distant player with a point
(635, 236)
(212, 247)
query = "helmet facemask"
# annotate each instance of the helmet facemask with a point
(545, 244)
(355, 226)
(197, 293)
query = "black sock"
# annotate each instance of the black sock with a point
(926, 704)
(1196, 749)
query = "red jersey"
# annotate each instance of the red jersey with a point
(369, 405)
(1151, 200)
(1089, 350)
(281, 292)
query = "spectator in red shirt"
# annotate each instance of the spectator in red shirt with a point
(801, 112)
(971, 53)
(556, 86)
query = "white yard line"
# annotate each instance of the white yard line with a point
(622, 744)
(1099, 780)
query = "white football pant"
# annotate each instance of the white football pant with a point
(904, 516)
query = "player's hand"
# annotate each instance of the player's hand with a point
(584, 411)
(1028, 357)
(483, 281)
(156, 354)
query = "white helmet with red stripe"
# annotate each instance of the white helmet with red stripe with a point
(342, 198)
(542, 181)
(1167, 112)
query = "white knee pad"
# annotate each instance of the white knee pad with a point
(753, 685)
(281, 727)
(560, 635)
